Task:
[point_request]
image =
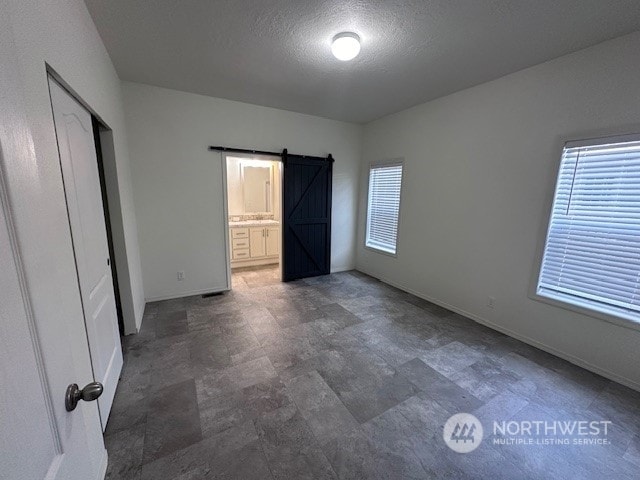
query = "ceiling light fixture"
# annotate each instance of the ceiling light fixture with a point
(345, 46)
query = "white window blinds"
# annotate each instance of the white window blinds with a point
(383, 207)
(592, 252)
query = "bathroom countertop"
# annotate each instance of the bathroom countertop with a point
(253, 223)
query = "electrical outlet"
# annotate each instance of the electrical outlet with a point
(181, 275)
(491, 302)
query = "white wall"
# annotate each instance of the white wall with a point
(480, 167)
(178, 183)
(62, 35)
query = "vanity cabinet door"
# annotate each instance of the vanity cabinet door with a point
(257, 242)
(273, 241)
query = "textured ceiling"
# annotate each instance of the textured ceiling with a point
(277, 52)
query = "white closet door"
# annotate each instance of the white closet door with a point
(86, 215)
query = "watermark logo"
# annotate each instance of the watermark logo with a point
(462, 433)
(551, 432)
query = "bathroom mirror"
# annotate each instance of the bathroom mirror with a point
(256, 186)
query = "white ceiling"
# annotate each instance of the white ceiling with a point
(277, 52)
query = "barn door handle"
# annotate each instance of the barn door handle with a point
(89, 393)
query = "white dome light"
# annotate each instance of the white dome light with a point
(345, 46)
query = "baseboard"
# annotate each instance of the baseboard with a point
(103, 466)
(523, 338)
(187, 294)
(344, 268)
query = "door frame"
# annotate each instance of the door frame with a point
(110, 192)
(225, 190)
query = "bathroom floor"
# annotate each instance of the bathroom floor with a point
(247, 277)
(343, 376)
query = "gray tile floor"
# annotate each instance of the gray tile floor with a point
(345, 377)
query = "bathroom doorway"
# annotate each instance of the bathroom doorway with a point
(254, 219)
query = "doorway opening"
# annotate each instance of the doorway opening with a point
(254, 219)
(99, 129)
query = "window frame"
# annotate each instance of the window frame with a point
(591, 309)
(385, 163)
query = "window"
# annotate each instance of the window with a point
(383, 207)
(592, 252)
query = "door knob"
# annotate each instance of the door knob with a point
(89, 393)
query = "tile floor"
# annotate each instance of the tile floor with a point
(345, 377)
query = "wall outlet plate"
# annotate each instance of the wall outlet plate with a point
(181, 275)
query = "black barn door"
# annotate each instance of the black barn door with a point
(307, 216)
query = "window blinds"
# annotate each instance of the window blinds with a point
(384, 207)
(592, 252)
